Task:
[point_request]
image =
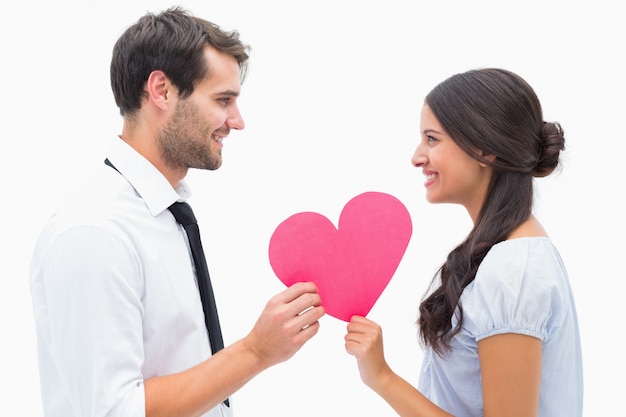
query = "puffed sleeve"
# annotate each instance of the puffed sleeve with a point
(519, 288)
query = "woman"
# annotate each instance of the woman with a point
(499, 326)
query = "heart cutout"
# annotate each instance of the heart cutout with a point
(351, 264)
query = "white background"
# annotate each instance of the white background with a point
(332, 110)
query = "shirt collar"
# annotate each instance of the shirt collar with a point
(147, 181)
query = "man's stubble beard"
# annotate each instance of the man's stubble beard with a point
(185, 141)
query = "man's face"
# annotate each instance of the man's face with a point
(193, 136)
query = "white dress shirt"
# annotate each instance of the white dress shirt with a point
(114, 293)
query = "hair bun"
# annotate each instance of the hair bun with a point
(552, 143)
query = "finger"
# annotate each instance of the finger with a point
(304, 302)
(355, 348)
(360, 319)
(307, 333)
(353, 338)
(362, 328)
(296, 290)
(308, 317)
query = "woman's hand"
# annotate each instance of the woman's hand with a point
(364, 341)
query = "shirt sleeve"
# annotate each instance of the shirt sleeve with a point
(93, 290)
(517, 289)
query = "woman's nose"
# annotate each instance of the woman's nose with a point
(419, 157)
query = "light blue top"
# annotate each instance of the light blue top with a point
(520, 287)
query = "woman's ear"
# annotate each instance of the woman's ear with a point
(488, 157)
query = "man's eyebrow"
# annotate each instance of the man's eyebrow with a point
(231, 93)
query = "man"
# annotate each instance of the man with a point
(120, 324)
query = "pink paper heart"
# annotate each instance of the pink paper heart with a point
(351, 264)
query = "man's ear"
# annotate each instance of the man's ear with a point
(158, 88)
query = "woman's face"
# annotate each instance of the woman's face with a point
(452, 175)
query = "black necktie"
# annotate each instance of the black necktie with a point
(184, 215)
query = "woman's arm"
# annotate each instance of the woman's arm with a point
(510, 365)
(364, 340)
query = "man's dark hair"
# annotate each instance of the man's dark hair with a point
(174, 42)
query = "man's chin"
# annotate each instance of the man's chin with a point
(210, 165)
(214, 165)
